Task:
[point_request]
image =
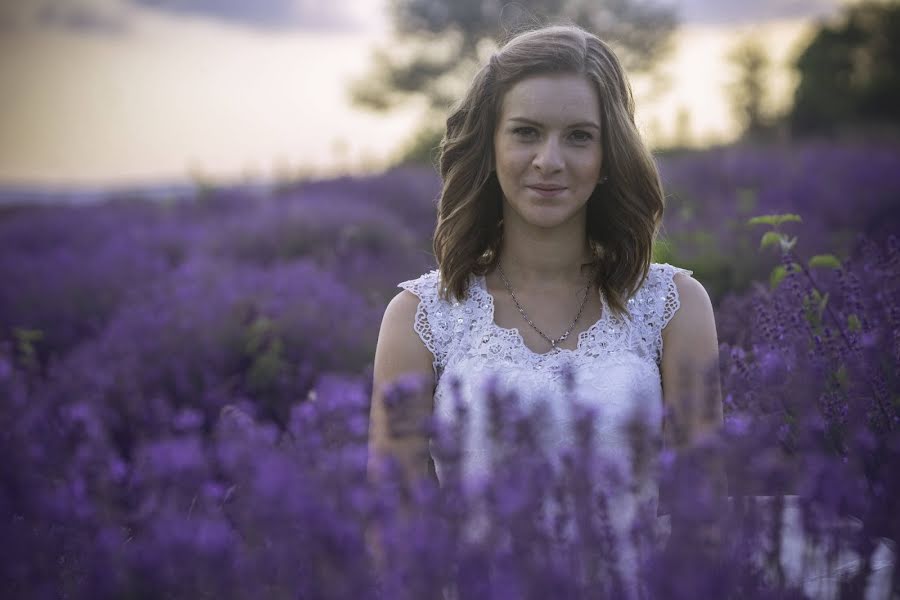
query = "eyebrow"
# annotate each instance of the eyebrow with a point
(580, 124)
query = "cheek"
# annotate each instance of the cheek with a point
(590, 166)
(512, 158)
(510, 171)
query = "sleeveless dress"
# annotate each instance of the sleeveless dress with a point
(614, 371)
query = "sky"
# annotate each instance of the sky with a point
(96, 92)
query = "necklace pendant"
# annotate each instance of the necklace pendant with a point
(553, 343)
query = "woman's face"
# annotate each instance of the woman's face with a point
(548, 136)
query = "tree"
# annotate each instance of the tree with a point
(748, 92)
(850, 72)
(439, 45)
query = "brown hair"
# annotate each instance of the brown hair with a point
(623, 214)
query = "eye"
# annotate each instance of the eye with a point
(582, 136)
(524, 131)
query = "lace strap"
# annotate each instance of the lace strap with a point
(431, 322)
(663, 302)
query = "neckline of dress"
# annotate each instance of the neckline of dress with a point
(481, 283)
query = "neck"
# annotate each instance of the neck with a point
(538, 258)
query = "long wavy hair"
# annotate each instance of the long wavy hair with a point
(623, 214)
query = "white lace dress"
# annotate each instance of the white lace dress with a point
(615, 370)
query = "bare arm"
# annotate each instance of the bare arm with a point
(692, 396)
(400, 353)
(690, 360)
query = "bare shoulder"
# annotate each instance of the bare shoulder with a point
(695, 306)
(401, 309)
(690, 336)
(400, 350)
(401, 353)
(690, 360)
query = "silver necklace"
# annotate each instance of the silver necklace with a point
(554, 343)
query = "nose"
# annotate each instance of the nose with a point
(548, 158)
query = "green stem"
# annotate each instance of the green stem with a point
(878, 400)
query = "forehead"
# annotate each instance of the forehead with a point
(552, 99)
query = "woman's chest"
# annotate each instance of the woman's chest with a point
(548, 322)
(617, 387)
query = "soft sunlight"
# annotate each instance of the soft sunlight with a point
(175, 96)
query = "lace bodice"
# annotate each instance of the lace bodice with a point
(615, 364)
(449, 329)
(615, 370)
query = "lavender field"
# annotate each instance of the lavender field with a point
(184, 389)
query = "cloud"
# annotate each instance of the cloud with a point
(264, 14)
(356, 14)
(727, 12)
(84, 18)
(103, 17)
(110, 17)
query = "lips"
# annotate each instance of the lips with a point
(547, 188)
(547, 191)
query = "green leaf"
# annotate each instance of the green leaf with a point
(28, 336)
(814, 304)
(770, 238)
(762, 220)
(823, 301)
(778, 273)
(775, 220)
(853, 323)
(828, 261)
(26, 339)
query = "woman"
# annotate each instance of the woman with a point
(549, 206)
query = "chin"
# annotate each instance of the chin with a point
(548, 219)
(544, 213)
